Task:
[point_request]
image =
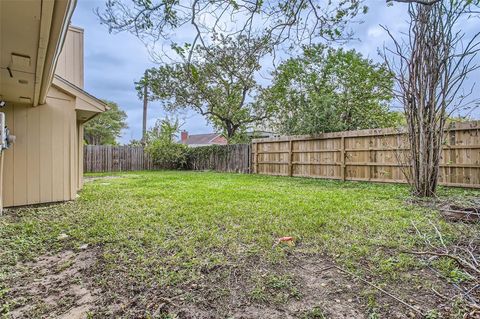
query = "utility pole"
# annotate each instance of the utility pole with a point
(145, 107)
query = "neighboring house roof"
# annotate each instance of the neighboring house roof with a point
(205, 139)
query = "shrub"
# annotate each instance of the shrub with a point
(167, 154)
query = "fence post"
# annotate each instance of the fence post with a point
(290, 158)
(256, 158)
(342, 157)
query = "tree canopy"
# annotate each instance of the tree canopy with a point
(105, 128)
(326, 90)
(219, 82)
(280, 20)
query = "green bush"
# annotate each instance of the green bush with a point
(167, 154)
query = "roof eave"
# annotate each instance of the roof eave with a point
(52, 37)
(75, 91)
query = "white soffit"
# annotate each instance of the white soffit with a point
(19, 35)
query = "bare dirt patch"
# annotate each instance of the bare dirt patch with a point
(54, 286)
(305, 286)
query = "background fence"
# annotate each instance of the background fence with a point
(108, 158)
(366, 155)
(224, 158)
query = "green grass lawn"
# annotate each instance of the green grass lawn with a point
(170, 231)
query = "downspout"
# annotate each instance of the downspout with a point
(53, 31)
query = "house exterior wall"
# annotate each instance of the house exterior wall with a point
(70, 61)
(42, 166)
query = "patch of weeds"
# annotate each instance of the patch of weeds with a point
(314, 313)
(4, 305)
(393, 267)
(432, 314)
(274, 288)
(168, 316)
(449, 268)
(258, 295)
(64, 266)
(459, 309)
(372, 306)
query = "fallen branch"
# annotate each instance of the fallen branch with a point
(461, 262)
(381, 290)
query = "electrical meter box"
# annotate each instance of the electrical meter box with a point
(5, 138)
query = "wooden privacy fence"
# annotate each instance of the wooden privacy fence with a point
(109, 158)
(367, 155)
(225, 158)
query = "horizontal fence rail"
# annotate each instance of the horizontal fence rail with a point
(367, 155)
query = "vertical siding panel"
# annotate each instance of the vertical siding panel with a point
(58, 141)
(79, 152)
(33, 163)
(20, 154)
(8, 161)
(66, 150)
(73, 154)
(46, 158)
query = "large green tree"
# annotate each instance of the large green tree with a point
(218, 82)
(105, 128)
(327, 90)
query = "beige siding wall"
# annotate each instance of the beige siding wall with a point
(42, 164)
(79, 147)
(70, 62)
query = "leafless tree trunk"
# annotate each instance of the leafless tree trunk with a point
(430, 68)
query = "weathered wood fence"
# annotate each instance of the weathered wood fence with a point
(367, 155)
(225, 158)
(108, 158)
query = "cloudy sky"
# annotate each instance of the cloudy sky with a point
(113, 62)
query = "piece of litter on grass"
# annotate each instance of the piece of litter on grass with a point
(83, 247)
(62, 236)
(285, 239)
(288, 240)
